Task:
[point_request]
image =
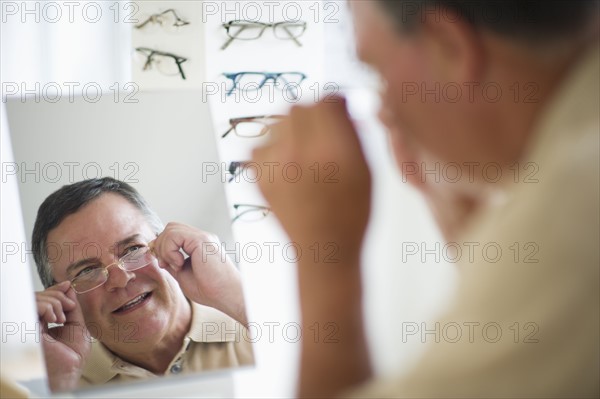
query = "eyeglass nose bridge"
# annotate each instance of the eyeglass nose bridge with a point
(120, 264)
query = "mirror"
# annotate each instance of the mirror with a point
(162, 145)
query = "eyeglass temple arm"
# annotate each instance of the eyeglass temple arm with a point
(294, 38)
(232, 38)
(177, 18)
(227, 132)
(148, 56)
(233, 78)
(233, 171)
(148, 61)
(146, 22)
(178, 62)
(152, 17)
(235, 168)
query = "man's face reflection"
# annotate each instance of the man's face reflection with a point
(133, 312)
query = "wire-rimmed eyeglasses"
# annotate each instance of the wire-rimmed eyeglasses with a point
(166, 63)
(252, 81)
(93, 276)
(166, 19)
(252, 30)
(250, 213)
(252, 126)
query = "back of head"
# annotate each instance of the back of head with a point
(529, 21)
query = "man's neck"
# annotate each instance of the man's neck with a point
(160, 356)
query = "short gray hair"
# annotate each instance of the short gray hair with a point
(529, 20)
(68, 200)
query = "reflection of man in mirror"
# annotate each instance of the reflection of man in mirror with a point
(114, 273)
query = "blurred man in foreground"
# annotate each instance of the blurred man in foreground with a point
(472, 84)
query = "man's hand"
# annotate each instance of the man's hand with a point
(66, 348)
(326, 198)
(328, 205)
(207, 277)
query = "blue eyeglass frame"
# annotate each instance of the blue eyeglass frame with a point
(267, 76)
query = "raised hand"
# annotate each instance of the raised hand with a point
(66, 347)
(207, 276)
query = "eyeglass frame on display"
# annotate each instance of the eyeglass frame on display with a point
(263, 26)
(154, 19)
(236, 121)
(254, 208)
(178, 59)
(267, 76)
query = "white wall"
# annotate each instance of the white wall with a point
(21, 355)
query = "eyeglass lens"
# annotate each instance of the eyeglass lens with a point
(88, 280)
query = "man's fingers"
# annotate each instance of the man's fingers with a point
(176, 237)
(167, 251)
(58, 304)
(74, 314)
(46, 312)
(53, 303)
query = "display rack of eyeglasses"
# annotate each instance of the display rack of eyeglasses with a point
(262, 66)
(246, 130)
(163, 45)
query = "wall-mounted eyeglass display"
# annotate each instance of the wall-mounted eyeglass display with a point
(168, 20)
(250, 213)
(252, 126)
(253, 81)
(234, 169)
(253, 30)
(166, 63)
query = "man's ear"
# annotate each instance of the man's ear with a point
(452, 44)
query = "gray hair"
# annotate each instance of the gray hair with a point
(528, 20)
(68, 200)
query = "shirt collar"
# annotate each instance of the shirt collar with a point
(208, 325)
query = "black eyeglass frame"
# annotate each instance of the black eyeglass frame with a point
(149, 53)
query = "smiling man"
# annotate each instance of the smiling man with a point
(512, 85)
(112, 272)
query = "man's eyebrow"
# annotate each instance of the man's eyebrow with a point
(130, 239)
(74, 266)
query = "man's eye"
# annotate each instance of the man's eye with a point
(85, 270)
(133, 249)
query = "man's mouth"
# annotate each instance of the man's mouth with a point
(135, 303)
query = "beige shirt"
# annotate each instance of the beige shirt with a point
(526, 323)
(214, 341)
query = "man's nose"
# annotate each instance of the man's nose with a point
(117, 277)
